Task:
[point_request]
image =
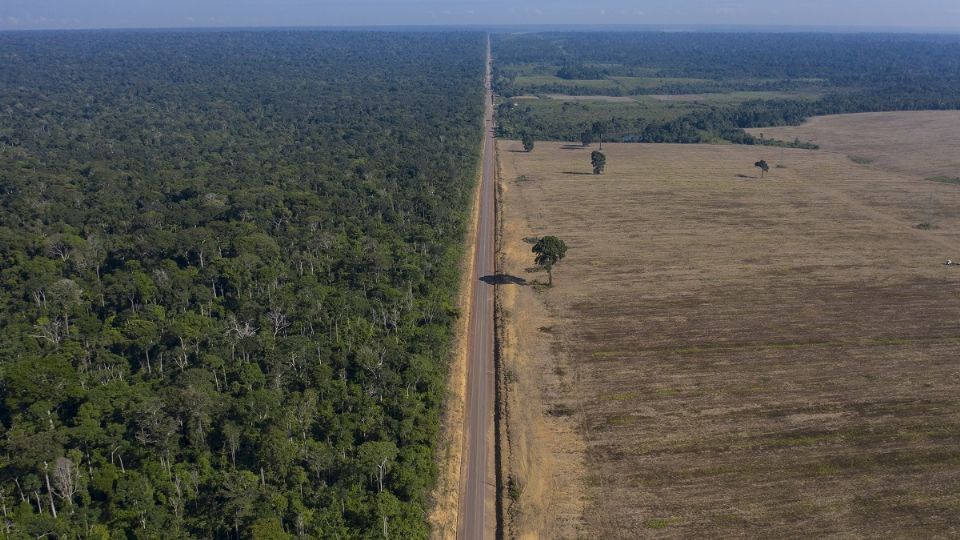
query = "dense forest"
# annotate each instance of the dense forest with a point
(851, 73)
(227, 270)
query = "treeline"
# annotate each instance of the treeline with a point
(227, 272)
(854, 73)
(721, 122)
(840, 59)
(571, 87)
(580, 71)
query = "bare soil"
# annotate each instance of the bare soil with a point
(545, 465)
(724, 355)
(921, 144)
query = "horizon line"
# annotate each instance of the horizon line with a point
(648, 27)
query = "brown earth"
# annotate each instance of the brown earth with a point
(545, 470)
(724, 355)
(916, 143)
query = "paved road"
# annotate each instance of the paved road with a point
(479, 411)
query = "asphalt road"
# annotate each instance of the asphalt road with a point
(479, 411)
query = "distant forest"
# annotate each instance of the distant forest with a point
(228, 263)
(853, 73)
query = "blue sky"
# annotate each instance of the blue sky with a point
(34, 14)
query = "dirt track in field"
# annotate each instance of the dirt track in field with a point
(724, 355)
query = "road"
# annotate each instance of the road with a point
(479, 410)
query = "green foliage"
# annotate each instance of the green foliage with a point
(763, 166)
(586, 137)
(745, 80)
(598, 160)
(514, 488)
(581, 72)
(527, 141)
(227, 266)
(548, 251)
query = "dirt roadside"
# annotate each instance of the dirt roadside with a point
(446, 494)
(544, 468)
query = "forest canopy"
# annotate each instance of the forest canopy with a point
(794, 76)
(227, 270)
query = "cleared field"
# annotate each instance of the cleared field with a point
(735, 97)
(916, 143)
(609, 99)
(627, 84)
(732, 356)
(715, 98)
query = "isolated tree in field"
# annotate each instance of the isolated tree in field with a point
(599, 161)
(764, 168)
(586, 138)
(549, 251)
(527, 140)
(597, 131)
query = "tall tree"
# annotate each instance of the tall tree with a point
(599, 161)
(549, 251)
(763, 166)
(586, 137)
(527, 140)
(597, 130)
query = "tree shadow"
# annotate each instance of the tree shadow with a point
(578, 173)
(748, 177)
(518, 151)
(571, 147)
(503, 279)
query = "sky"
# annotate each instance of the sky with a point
(923, 15)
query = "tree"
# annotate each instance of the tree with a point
(597, 131)
(549, 251)
(268, 528)
(764, 168)
(527, 142)
(586, 138)
(375, 457)
(599, 161)
(66, 479)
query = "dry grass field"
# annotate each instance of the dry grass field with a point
(724, 355)
(923, 144)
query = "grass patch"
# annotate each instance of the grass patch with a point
(657, 523)
(860, 160)
(821, 469)
(560, 409)
(624, 396)
(514, 488)
(621, 420)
